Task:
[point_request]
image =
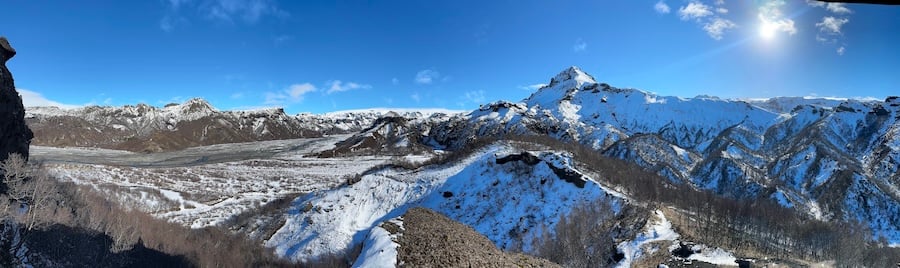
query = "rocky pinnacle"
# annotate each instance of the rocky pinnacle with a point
(15, 136)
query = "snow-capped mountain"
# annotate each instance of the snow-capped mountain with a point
(193, 123)
(836, 159)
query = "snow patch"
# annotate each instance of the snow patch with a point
(380, 248)
(661, 230)
(715, 256)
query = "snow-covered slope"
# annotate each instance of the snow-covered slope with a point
(834, 158)
(501, 193)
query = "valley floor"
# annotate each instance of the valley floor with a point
(205, 186)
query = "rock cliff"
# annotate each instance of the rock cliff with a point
(15, 136)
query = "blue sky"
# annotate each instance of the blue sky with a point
(320, 56)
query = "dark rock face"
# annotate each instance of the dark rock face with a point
(14, 133)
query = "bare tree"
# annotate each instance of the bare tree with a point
(583, 238)
(29, 191)
(14, 175)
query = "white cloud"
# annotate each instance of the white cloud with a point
(838, 8)
(815, 3)
(532, 87)
(292, 94)
(717, 26)
(779, 25)
(427, 76)
(661, 7)
(694, 10)
(831, 25)
(473, 97)
(33, 99)
(415, 97)
(579, 45)
(338, 86)
(395, 81)
(708, 17)
(298, 90)
(770, 16)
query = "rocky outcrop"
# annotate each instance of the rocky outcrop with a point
(430, 239)
(14, 133)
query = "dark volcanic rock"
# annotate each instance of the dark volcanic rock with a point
(14, 133)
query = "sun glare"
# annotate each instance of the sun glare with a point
(767, 30)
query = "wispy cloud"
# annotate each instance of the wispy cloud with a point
(169, 22)
(338, 86)
(415, 97)
(815, 3)
(840, 50)
(427, 76)
(395, 81)
(249, 11)
(33, 99)
(579, 45)
(532, 87)
(661, 7)
(694, 10)
(237, 95)
(281, 39)
(475, 97)
(229, 11)
(838, 8)
(292, 94)
(177, 3)
(716, 27)
(831, 25)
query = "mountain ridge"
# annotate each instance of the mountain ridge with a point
(834, 159)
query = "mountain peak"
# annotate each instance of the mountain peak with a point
(575, 74)
(195, 105)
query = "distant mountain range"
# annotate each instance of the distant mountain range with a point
(833, 159)
(144, 128)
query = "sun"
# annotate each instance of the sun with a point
(767, 30)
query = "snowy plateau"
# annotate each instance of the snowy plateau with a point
(346, 174)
